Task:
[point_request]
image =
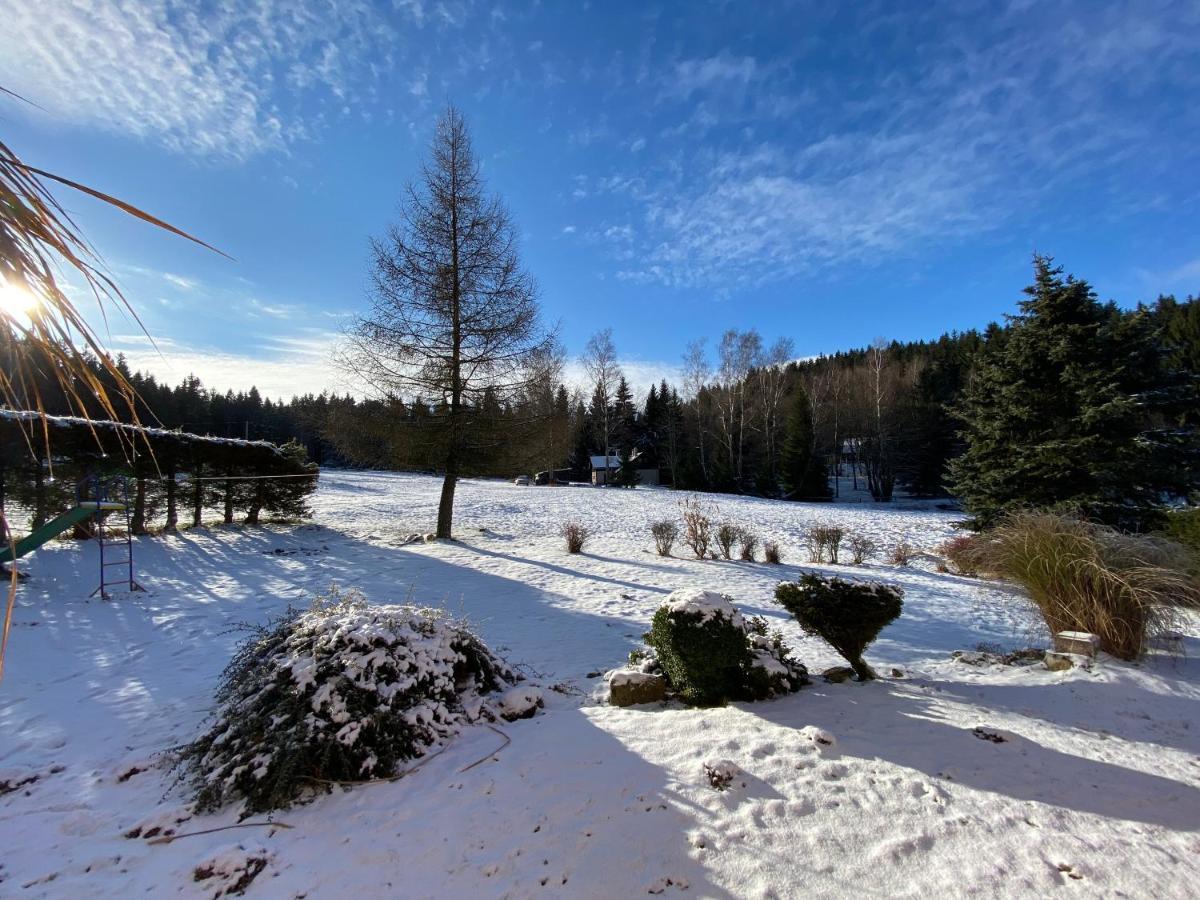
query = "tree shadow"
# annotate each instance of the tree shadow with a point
(902, 724)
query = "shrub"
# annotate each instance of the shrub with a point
(848, 615)
(1085, 577)
(1183, 527)
(665, 534)
(727, 536)
(576, 535)
(825, 541)
(342, 692)
(772, 553)
(697, 525)
(748, 542)
(710, 654)
(962, 554)
(861, 547)
(902, 554)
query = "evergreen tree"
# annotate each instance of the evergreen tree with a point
(802, 470)
(1057, 412)
(627, 474)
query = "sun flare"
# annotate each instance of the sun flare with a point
(16, 301)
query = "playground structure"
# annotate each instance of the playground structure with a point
(99, 499)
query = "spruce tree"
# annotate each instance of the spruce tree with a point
(1057, 412)
(802, 471)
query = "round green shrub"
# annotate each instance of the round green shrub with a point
(848, 615)
(710, 654)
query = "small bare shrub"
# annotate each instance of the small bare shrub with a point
(1084, 577)
(665, 534)
(962, 554)
(860, 547)
(727, 536)
(902, 554)
(697, 525)
(576, 535)
(748, 543)
(825, 541)
(816, 550)
(771, 553)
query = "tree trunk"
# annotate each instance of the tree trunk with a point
(137, 523)
(228, 501)
(862, 670)
(256, 505)
(197, 499)
(172, 510)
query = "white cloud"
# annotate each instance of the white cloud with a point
(284, 366)
(569, 229)
(200, 80)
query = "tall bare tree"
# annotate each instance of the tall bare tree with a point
(740, 352)
(773, 384)
(600, 363)
(696, 375)
(454, 316)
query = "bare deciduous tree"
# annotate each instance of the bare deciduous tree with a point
(454, 316)
(740, 352)
(600, 363)
(696, 374)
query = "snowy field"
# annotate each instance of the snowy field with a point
(1095, 790)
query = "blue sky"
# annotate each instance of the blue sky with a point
(820, 173)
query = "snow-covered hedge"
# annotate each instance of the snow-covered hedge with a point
(345, 691)
(710, 653)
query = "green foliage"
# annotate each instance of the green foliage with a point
(1072, 407)
(848, 615)
(710, 654)
(1086, 577)
(802, 469)
(342, 692)
(627, 472)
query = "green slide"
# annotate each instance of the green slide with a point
(55, 527)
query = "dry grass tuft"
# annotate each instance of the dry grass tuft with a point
(576, 535)
(1085, 577)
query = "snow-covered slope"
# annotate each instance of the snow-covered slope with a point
(1094, 787)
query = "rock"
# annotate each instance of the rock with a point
(838, 674)
(1058, 662)
(1080, 642)
(897, 673)
(819, 737)
(521, 702)
(629, 687)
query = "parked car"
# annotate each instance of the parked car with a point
(561, 476)
(521, 480)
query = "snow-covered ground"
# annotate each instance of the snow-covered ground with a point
(1094, 789)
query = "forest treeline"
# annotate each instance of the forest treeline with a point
(750, 418)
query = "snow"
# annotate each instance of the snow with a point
(889, 788)
(706, 604)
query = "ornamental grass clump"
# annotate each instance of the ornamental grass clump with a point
(343, 692)
(847, 615)
(710, 653)
(1082, 576)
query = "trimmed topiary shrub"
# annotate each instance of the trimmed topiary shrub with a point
(710, 654)
(848, 615)
(343, 692)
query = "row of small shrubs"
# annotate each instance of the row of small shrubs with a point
(705, 537)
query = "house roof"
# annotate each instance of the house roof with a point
(614, 462)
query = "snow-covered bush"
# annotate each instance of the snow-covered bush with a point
(710, 653)
(848, 615)
(344, 691)
(665, 533)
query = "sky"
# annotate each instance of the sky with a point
(828, 173)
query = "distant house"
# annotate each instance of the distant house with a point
(601, 473)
